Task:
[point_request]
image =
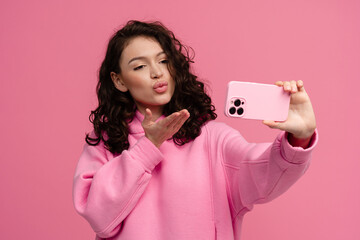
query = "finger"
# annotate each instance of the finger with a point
(182, 120)
(300, 85)
(293, 86)
(279, 83)
(148, 116)
(176, 124)
(270, 123)
(174, 117)
(287, 86)
(185, 112)
(169, 119)
(273, 124)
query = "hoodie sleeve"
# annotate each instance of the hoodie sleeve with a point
(107, 188)
(259, 172)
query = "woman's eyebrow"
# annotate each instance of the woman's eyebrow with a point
(142, 57)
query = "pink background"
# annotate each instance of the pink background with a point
(50, 52)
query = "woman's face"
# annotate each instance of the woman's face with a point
(145, 74)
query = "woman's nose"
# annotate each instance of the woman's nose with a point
(156, 72)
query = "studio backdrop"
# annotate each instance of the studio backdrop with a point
(50, 53)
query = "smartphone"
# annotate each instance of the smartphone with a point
(256, 101)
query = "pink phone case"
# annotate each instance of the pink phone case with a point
(256, 101)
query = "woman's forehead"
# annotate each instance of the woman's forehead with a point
(141, 47)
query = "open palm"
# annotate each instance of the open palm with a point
(158, 132)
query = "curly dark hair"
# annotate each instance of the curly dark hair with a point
(116, 109)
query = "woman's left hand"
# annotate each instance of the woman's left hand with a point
(301, 121)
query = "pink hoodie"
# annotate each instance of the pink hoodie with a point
(197, 191)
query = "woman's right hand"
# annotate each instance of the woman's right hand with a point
(159, 132)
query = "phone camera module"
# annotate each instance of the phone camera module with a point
(237, 107)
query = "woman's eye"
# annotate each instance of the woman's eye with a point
(139, 67)
(165, 61)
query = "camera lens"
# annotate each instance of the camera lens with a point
(237, 102)
(232, 110)
(240, 111)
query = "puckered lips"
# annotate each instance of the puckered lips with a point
(160, 87)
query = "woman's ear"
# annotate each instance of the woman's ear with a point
(118, 83)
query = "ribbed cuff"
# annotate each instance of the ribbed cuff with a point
(147, 153)
(296, 155)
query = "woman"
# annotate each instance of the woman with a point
(157, 166)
